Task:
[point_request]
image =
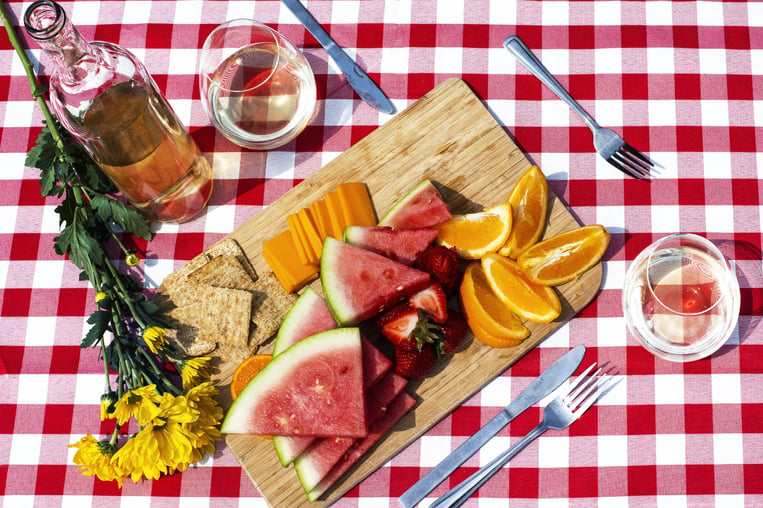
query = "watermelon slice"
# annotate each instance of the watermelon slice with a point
(422, 207)
(375, 365)
(314, 388)
(307, 316)
(402, 245)
(395, 411)
(315, 463)
(358, 283)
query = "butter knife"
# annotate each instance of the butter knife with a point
(356, 77)
(550, 380)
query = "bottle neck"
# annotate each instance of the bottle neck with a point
(74, 59)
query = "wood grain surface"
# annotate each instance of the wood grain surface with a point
(449, 137)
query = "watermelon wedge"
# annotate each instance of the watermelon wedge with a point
(402, 245)
(395, 411)
(422, 207)
(316, 462)
(375, 365)
(358, 283)
(307, 316)
(314, 388)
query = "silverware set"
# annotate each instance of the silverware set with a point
(560, 413)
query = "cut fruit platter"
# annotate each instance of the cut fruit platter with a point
(449, 138)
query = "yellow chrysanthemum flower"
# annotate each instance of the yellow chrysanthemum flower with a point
(194, 369)
(206, 428)
(140, 403)
(132, 259)
(100, 296)
(95, 458)
(164, 445)
(155, 339)
(108, 399)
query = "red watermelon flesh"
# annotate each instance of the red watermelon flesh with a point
(395, 411)
(307, 316)
(358, 283)
(313, 388)
(312, 465)
(422, 207)
(375, 365)
(402, 245)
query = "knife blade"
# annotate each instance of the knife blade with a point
(547, 382)
(363, 85)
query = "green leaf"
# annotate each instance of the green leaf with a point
(100, 324)
(127, 218)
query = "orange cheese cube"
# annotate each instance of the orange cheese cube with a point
(280, 254)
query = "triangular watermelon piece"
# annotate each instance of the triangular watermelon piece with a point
(402, 245)
(313, 388)
(422, 207)
(307, 316)
(358, 283)
(375, 365)
(315, 463)
(394, 412)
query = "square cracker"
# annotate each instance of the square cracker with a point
(225, 272)
(270, 303)
(221, 315)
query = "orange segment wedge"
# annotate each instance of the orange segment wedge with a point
(527, 299)
(245, 371)
(565, 256)
(475, 234)
(529, 203)
(492, 321)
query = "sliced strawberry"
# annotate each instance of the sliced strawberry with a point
(407, 328)
(414, 364)
(452, 332)
(432, 301)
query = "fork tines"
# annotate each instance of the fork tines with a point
(580, 397)
(632, 162)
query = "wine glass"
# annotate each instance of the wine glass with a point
(681, 298)
(256, 87)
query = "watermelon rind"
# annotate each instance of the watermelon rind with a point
(276, 389)
(307, 316)
(358, 284)
(408, 212)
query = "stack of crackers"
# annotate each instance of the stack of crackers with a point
(217, 304)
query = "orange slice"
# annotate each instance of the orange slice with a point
(527, 299)
(491, 320)
(490, 339)
(565, 256)
(475, 234)
(245, 371)
(529, 203)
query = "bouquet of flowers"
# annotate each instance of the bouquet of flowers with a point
(161, 403)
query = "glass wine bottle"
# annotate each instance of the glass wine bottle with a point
(104, 96)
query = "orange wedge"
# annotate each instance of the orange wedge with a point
(245, 371)
(527, 299)
(475, 234)
(490, 339)
(491, 320)
(529, 203)
(565, 256)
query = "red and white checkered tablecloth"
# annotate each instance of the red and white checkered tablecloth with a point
(682, 81)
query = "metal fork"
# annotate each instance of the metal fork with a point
(606, 141)
(559, 414)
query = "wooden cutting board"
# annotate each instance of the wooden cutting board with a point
(449, 137)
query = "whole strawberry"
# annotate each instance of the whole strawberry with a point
(416, 363)
(442, 264)
(407, 328)
(452, 332)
